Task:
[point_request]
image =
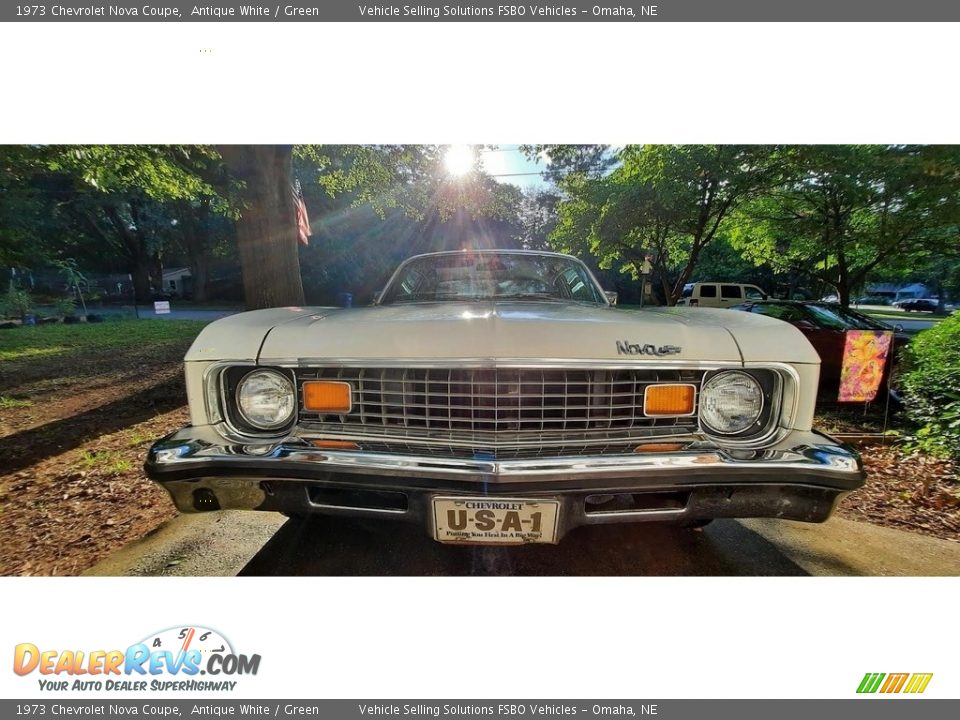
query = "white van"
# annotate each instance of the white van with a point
(719, 295)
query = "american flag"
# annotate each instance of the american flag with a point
(303, 221)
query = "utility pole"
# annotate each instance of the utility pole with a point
(645, 269)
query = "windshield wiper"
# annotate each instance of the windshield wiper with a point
(437, 298)
(528, 296)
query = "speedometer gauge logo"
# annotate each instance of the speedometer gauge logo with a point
(184, 639)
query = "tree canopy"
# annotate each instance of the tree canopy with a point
(790, 216)
(842, 211)
(663, 204)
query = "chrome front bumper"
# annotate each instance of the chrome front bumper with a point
(800, 478)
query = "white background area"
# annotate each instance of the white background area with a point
(479, 82)
(496, 83)
(460, 638)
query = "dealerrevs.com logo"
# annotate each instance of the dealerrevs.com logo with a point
(172, 659)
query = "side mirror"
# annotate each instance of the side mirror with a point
(611, 296)
(898, 328)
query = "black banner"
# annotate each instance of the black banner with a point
(854, 709)
(360, 11)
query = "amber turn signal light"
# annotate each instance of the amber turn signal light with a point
(327, 397)
(669, 400)
(335, 445)
(658, 448)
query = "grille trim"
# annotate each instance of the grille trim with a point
(497, 451)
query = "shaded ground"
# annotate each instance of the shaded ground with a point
(232, 542)
(80, 404)
(339, 546)
(78, 407)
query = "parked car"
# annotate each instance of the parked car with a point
(918, 304)
(718, 295)
(497, 397)
(825, 325)
(871, 300)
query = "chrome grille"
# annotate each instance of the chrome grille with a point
(475, 402)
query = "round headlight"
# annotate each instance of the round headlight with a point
(266, 399)
(730, 402)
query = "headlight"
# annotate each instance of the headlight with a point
(266, 399)
(730, 402)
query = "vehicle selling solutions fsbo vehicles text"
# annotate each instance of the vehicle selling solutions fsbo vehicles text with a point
(498, 710)
(514, 11)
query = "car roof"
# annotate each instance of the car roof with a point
(490, 251)
(802, 303)
(777, 301)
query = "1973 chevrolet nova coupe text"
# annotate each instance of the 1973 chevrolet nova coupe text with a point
(498, 397)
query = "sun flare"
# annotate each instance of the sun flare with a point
(459, 159)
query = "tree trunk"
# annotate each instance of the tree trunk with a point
(843, 291)
(156, 271)
(685, 274)
(141, 280)
(942, 302)
(267, 228)
(195, 232)
(199, 274)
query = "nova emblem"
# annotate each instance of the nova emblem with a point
(627, 348)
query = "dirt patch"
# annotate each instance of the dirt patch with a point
(64, 513)
(904, 490)
(913, 492)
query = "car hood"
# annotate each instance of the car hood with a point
(501, 331)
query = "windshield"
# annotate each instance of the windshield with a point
(856, 319)
(492, 276)
(828, 317)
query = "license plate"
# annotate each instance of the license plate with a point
(495, 520)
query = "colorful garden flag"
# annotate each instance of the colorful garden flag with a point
(865, 356)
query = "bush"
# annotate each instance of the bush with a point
(16, 303)
(931, 387)
(65, 307)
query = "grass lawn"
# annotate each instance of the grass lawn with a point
(46, 341)
(894, 316)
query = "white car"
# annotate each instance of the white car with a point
(718, 295)
(497, 397)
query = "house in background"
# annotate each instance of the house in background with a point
(178, 282)
(915, 290)
(899, 291)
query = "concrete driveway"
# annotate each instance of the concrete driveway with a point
(231, 543)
